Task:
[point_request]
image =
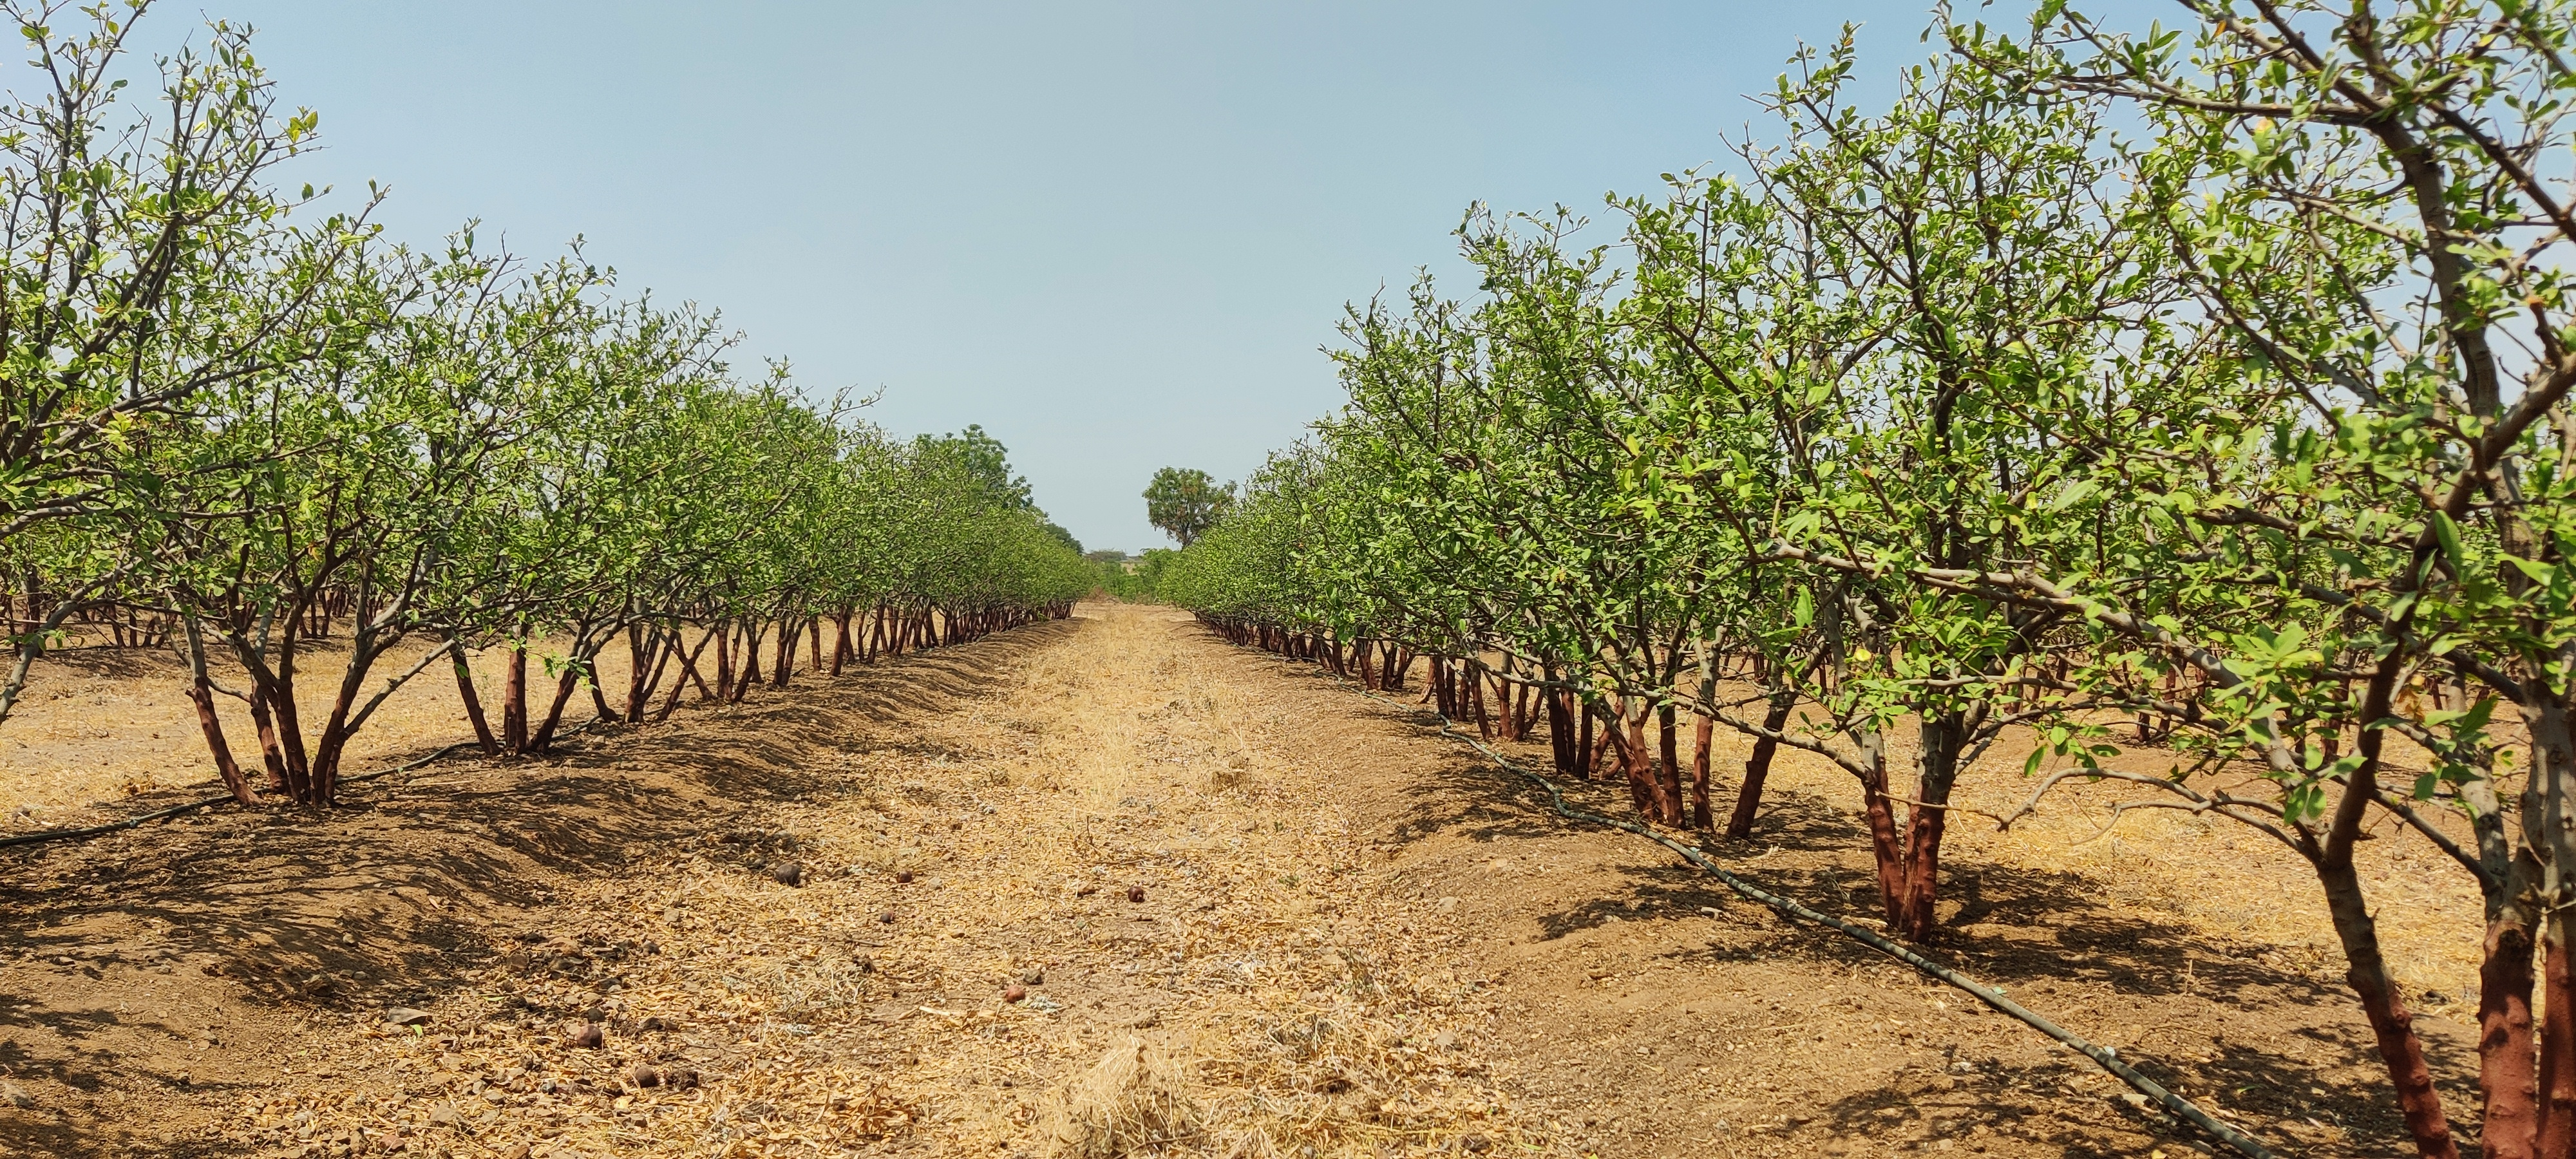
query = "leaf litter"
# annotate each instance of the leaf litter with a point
(1263, 998)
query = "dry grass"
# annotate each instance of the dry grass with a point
(1290, 984)
(1267, 998)
(1136, 1098)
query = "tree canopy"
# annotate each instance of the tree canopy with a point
(2224, 459)
(1184, 502)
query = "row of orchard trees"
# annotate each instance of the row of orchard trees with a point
(2240, 435)
(238, 428)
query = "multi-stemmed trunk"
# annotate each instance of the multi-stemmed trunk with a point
(269, 665)
(1908, 858)
(1944, 736)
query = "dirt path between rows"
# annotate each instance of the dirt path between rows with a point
(1098, 887)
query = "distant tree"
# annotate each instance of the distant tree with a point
(1184, 502)
(1133, 578)
(1060, 534)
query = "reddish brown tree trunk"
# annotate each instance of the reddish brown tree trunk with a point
(1884, 845)
(564, 686)
(1633, 763)
(1587, 758)
(2391, 1024)
(2510, 1126)
(290, 725)
(1560, 730)
(2557, 1039)
(688, 674)
(1668, 772)
(202, 694)
(1628, 731)
(325, 772)
(642, 650)
(473, 703)
(1937, 764)
(641, 693)
(1757, 766)
(514, 701)
(750, 661)
(271, 752)
(1922, 873)
(1596, 756)
(785, 661)
(1703, 732)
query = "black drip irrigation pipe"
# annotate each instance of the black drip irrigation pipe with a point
(226, 798)
(2102, 1056)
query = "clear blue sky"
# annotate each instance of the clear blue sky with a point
(1114, 234)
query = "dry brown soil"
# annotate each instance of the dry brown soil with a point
(1348, 936)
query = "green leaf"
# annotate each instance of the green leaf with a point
(2447, 534)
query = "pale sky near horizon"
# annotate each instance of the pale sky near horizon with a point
(1115, 235)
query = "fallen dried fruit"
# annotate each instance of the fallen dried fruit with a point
(903, 877)
(1135, 893)
(644, 1076)
(588, 1036)
(1014, 992)
(789, 873)
(886, 917)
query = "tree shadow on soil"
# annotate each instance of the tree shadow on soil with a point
(2042, 935)
(98, 662)
(393, 897)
